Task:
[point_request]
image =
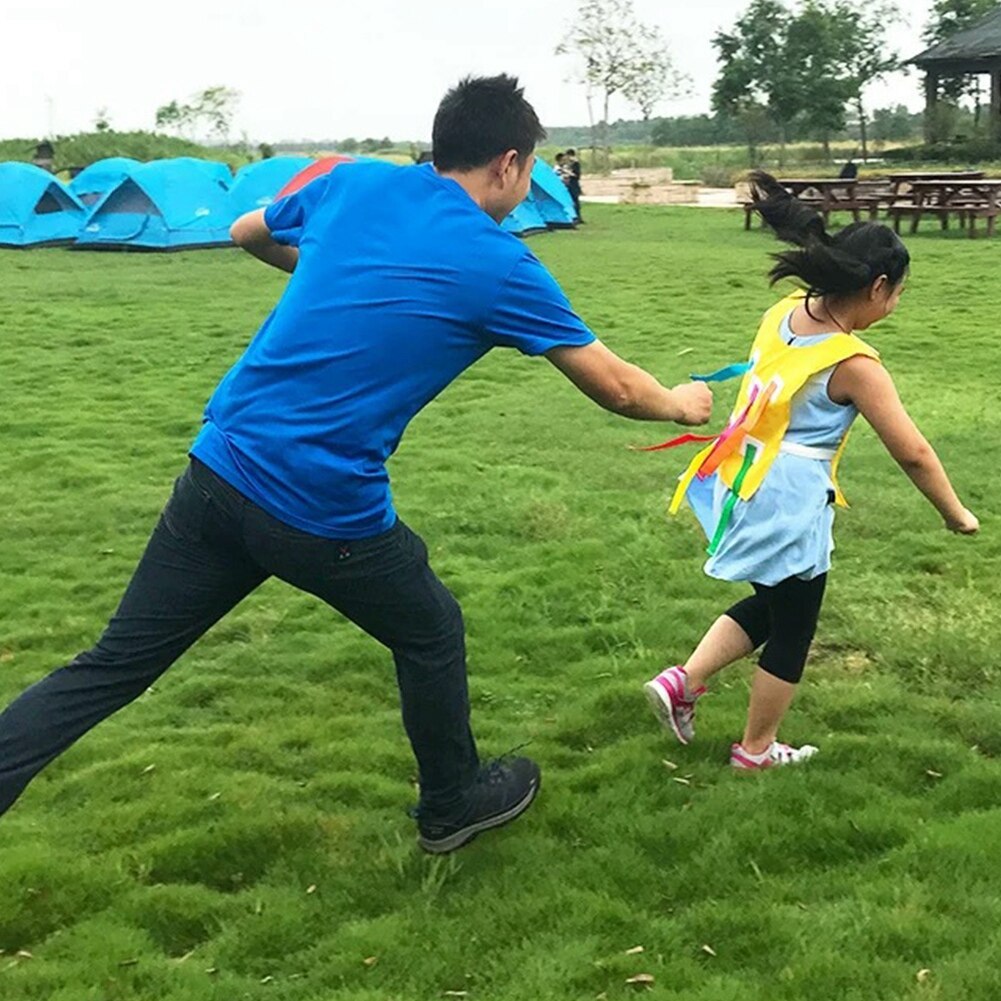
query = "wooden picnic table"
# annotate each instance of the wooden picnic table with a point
(901, 182)
(967, 198)
(910, 176)
(830, 192)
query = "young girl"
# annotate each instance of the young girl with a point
(764, 489)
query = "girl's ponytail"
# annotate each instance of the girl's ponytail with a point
(823, 264)
(793, 220)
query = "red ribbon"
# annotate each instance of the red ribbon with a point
(684, 439)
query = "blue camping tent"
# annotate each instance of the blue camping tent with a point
(547, 206)
(35, 208)
(212, 169)
(525, 219)
(256, 184)
(551, 196)
(95, 181)
(161, 205)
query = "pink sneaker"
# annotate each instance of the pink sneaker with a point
(775, 754)
(673, 703)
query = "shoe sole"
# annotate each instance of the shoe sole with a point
(661, 705)
(442, 846)
(739, 766)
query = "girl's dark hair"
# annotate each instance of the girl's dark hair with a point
(480, 118)
(847, 262)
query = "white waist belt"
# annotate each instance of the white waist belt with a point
(808, 451)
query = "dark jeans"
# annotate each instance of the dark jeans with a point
(784, 618)
(574, 188)
(211, 548)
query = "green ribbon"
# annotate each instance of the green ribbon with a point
(731, 502)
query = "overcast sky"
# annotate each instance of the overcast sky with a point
(329, 68)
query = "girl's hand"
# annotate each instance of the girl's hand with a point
(966, 524)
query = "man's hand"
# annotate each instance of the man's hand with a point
(695, 401)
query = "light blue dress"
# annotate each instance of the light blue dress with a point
(786, 528)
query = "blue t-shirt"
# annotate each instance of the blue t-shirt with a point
(402, 283)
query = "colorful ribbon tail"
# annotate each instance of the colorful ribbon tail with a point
(731, 502)
(686, 479)
(683, 439)
(725, 373)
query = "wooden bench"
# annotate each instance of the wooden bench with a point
(967, 212)
(748, 208)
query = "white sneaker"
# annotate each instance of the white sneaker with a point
(775, 754)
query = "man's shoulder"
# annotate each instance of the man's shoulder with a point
(366, 171)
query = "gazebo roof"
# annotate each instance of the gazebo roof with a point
(979, 46)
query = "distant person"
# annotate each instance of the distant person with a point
(766, 499)
(561, 168)
(849, 172)
(573, 183)
(45, 156)
(402, 278)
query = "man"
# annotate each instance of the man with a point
(573, 180)
(401, 279)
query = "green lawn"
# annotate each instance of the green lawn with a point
(240, 831)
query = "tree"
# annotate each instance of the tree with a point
(757, 76)
(349, 145)
(812, 45)
(804, 66)
(951, 16)
(695, 130)
(865, 55)
(947, 18)
(101, 121)
(894, 124)
(174, 116)
(213, 106)
(617, 54)
(654, 78)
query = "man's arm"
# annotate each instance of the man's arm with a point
(252, 234)
(628, 390)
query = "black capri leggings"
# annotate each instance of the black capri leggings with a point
(783, 618)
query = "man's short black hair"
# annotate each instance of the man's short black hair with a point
(571, 152)
(482, 118)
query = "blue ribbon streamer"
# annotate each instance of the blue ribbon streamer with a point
(727, 372)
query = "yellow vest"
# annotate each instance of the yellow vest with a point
(764, 405)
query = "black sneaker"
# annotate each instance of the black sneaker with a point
(504, 790)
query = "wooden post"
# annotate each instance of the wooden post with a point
(931, 105)
(996, 104)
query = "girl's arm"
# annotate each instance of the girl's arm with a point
(868, 385)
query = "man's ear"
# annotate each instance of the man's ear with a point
(507, 161)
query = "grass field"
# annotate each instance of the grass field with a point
(239, 833)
